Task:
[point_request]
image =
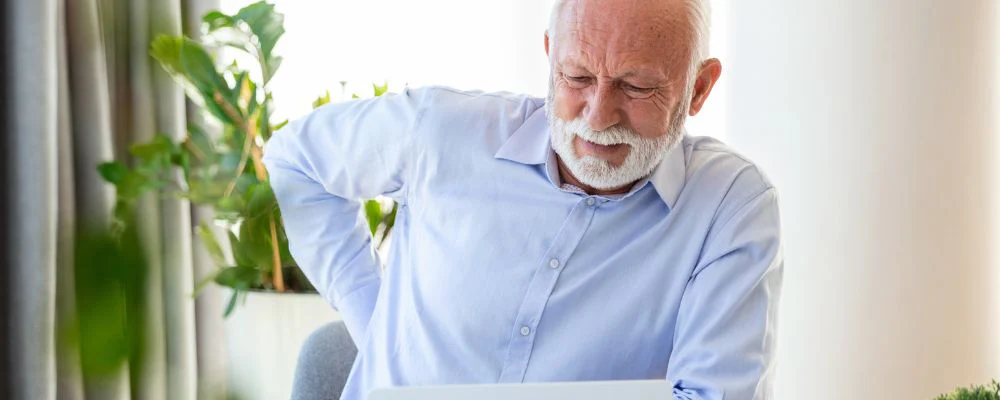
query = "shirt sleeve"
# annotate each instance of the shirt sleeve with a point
(320, 167)
(724, 340)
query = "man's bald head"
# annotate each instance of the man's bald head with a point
(695, 14)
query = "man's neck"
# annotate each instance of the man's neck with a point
(567, 177)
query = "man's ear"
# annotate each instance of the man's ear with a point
(708, 75)
(546, 42)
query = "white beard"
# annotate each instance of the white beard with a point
(643, 156)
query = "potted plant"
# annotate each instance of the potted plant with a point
(224, 171)
(990, 392)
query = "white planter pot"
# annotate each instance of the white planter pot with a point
(263, 339)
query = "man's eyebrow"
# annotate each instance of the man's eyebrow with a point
(650, 76)
(633, 73)
(653, 76)
(573, 64)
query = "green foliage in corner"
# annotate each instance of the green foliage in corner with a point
(988, 392)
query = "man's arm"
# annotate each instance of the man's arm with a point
(724, 340)
(320, 167)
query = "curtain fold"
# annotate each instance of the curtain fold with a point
(177, 286)
(210, 342)
(30, 85)
(79, 88)
(151, 377)
(88, 200)
(68, 372)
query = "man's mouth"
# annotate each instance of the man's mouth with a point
(605, 151)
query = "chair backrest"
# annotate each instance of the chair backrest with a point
(324, 363)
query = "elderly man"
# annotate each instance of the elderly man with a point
(585, 237)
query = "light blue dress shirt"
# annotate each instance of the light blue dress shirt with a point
(499, 274)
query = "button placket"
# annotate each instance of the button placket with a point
(540, 289)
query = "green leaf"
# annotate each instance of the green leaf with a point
(389, 221)
(373, 213)
(199, 146)
(167, 51)
(255, 240)
(191, 66)
(214, 20)
(204, 282)
(282, 124)
(244, 183)
(160, 148)
(263, 123)
(240, 254)
(211, 244)
(244, 45)
(205, 190)
(229, 209)
(286, 254)
(244, 90)
(113, 172)
(109, 275)
(321, 100)
(133, 185)
(231, 305)
(265, 23)
(193, 63)
(200, 139)
(231, 160)
(183, 159)
(273, 64)
(123, 213)
(260, 26)
(380, 90)
(240, 278)
(262, 201)
(231, 204)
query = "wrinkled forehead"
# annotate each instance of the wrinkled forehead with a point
(656, 33)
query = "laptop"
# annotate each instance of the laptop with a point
(639, 390)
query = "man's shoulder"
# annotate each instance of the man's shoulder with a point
(451, 114)
(713, 166)
(444, 98)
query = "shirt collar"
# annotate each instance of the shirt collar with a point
(530, 145)
(530, 142)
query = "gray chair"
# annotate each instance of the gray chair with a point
(324, 363)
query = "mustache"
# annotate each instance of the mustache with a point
(607, 137)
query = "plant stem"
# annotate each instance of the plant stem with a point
(247, 143)
(265, 71)
(277, 276)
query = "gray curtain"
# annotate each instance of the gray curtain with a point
(79, 86)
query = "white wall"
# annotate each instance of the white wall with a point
(877, 121)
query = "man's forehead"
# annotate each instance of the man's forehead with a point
(636, 17)
(640, 29)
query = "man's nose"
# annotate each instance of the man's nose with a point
(604, 108)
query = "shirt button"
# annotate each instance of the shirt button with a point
(554, 263)
(525, 331)
(590, 202)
